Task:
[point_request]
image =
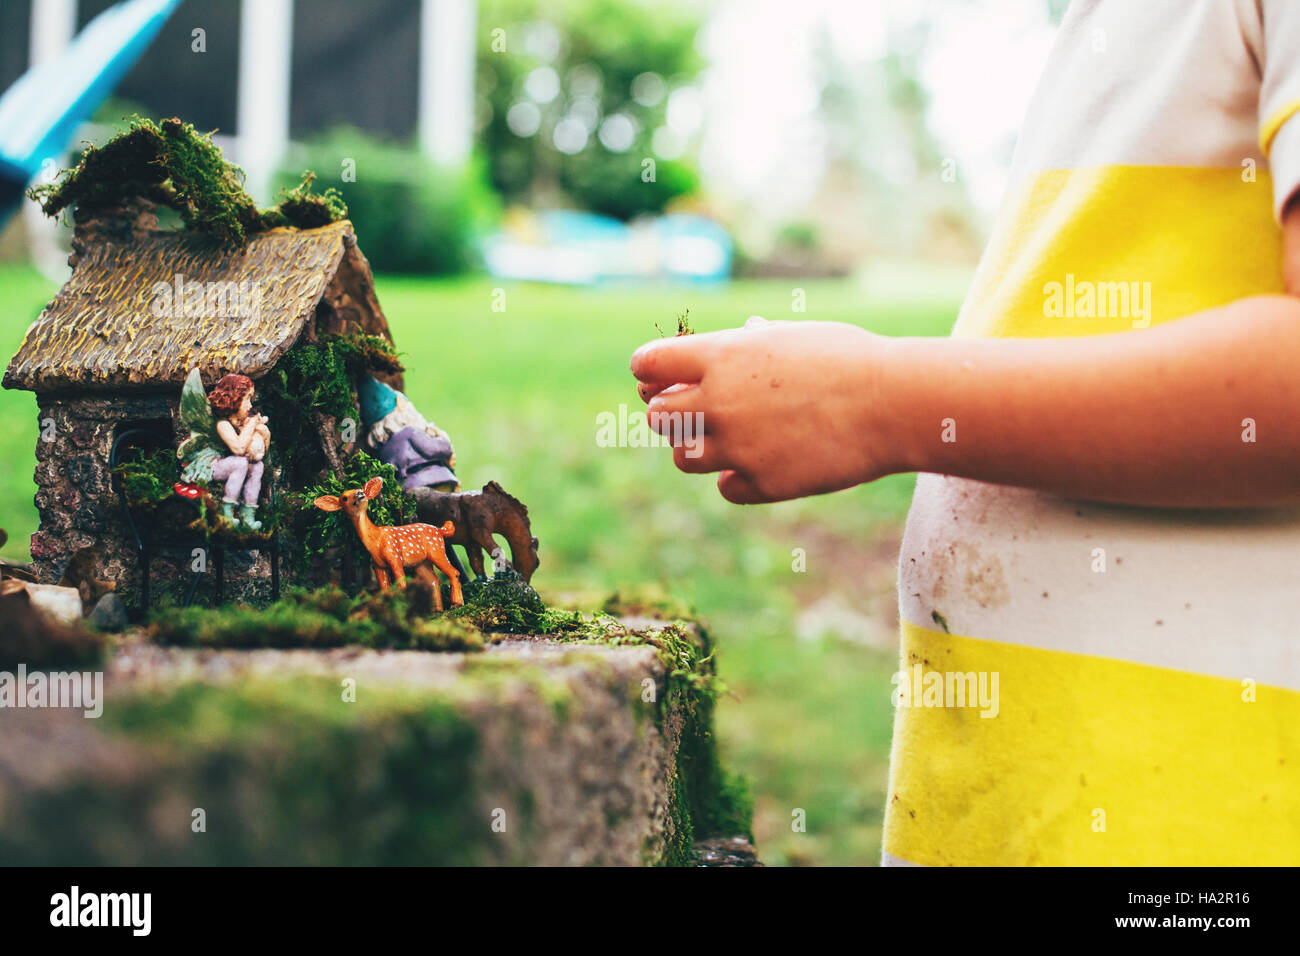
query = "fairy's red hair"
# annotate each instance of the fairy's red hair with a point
(228, 393)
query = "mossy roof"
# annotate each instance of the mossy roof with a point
(101, 332)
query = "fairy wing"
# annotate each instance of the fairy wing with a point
(196, 410)
(203, 447)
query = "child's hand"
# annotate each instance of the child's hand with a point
(788, 408)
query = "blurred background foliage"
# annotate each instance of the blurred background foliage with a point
(571, 97)
(410, 215)
(613, 107)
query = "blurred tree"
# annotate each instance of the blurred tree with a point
(882, 152)
(574, 96)
(410, 215)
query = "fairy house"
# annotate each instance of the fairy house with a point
(144, 306)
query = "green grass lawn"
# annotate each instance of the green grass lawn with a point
(520, 390)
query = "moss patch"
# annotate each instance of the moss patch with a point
(174, 165)
(683, 324)
(705, 800)
(647, 601)
(147, 479)
(313, 388)
(398, 619)
(393, 620)
(378, 782)
(506, 604)
(301, 208)
(498, 672)
(320, 377)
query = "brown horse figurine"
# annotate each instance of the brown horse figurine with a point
(477, 515)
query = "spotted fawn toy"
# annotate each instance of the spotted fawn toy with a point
(394, 548)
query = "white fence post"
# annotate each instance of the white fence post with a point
(265, 62)
(447, 52)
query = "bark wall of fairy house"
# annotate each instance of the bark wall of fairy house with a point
(104, 357)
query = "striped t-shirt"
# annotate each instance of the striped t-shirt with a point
(1147, 661)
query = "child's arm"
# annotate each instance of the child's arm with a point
(237, 441)
(1152, 416)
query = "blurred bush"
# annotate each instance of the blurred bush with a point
(612, 184)
(410, 215)
(574, 98)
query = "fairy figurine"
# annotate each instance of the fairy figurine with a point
(228, 442)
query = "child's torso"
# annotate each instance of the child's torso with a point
(1121, 636)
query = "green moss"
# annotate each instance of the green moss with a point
(299, 207)
(147, 479)
(647, 601)
(174, 165)
(201, 714)
(506, 604)
(323, 534)
(683, 324)
(397, 618)
(381, 781)
(720, 801)
(499, 673)
(321, 377)
(686, 659)
(678, 849)
(326, 618)
(526, 805)
(705, 799)
(717, 802)
(313, 382)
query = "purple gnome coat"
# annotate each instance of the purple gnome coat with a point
(420, 458)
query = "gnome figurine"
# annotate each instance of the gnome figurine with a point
(397, 434)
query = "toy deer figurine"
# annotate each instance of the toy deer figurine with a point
(394, 548)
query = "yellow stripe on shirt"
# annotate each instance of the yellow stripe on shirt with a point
(1269, 130)
(1200, 237)
(1177, 767)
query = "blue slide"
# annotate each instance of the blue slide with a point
(40, 113)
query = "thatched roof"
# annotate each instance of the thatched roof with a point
(112, 327)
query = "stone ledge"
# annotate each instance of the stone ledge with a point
(532, 752)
